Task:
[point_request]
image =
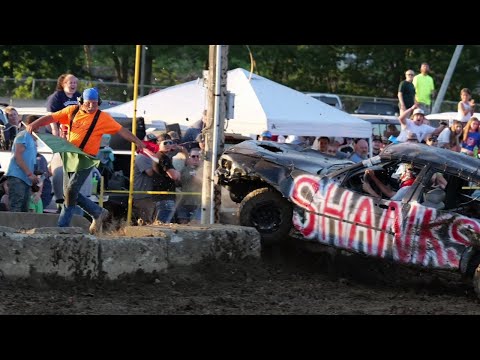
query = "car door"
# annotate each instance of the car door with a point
(337, 212)
(436, 234)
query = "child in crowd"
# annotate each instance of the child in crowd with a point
(471, 136)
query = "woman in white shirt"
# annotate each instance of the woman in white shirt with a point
(466, 107)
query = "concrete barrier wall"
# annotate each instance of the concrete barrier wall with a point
(28, 220)
(71, 254)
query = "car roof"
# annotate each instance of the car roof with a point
(444, 159)
(376, 102)
(289, 155)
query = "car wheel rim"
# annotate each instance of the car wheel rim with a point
(266, 218)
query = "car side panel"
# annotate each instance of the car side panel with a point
(336, 216)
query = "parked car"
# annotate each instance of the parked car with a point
(330, 99)
(380, 123)
(285, 190)
(377, 108)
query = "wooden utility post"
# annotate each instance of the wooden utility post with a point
(214, 135)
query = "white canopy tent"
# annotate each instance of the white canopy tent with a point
(182, 104)
(260, 104)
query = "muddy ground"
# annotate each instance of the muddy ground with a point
(287, 281)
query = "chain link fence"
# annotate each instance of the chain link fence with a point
(38, 89)
(351, 102)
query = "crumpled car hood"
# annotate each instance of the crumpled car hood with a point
(277, 164)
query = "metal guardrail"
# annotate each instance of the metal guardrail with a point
(103, 192)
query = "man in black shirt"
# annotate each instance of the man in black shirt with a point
(406, 92)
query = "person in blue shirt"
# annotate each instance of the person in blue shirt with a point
(20, 174)
(361, 151)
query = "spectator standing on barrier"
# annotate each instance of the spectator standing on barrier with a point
(20, 174)
(424, 88)
(87, 125)
(189, 206)
(406, 91)
(466, 106)
(65, 94)
(164, 179)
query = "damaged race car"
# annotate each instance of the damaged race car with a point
(412, 204)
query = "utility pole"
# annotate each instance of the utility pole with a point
(214, 134)
(446, 80)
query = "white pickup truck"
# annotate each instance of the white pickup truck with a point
(330, 99)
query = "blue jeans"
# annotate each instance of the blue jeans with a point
(46, 193)
(165, 210)
(189, 212)
(18, 194)
(72, 182)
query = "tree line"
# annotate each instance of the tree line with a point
(361, 70)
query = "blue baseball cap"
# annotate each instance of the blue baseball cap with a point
(267, 134)
(393, 139)
(90, 94)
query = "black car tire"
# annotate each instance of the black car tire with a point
(269, 212)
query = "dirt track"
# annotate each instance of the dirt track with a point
(288, 282)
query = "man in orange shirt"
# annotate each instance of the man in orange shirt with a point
(86, 124)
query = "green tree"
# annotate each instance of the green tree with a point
(27, 62)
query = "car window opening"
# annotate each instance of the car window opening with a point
(270, 148)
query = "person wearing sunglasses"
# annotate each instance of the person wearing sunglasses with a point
(165, 177)
(189, 206)
(144, 204)
(406, 91)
